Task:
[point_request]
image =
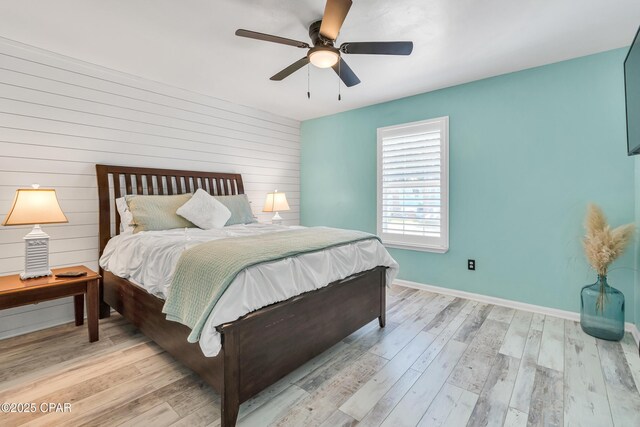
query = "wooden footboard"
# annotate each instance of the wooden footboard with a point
(263, 346)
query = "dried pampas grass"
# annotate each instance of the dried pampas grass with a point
(603, 245)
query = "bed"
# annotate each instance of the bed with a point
(257, 349)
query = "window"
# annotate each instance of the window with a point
(413, 185)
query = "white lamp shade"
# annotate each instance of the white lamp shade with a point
(276, 202)
(35, 206)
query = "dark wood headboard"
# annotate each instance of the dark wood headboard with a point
(118, 181)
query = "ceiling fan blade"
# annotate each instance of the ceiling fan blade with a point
(291, 69)
(270, 38)
(377, 48)
(345, 73)
(335, 11)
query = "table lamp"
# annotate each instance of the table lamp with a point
(276, 202)
(35, 206)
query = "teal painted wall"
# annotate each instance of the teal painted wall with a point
(528, 151)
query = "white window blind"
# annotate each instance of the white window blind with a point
(413, 185)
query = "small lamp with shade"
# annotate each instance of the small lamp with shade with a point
(35, 206)
(276, 202)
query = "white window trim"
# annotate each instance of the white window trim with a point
(418, 127)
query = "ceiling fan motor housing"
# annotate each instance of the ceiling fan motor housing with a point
(316, 38)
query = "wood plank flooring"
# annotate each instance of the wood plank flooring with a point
(441, 361)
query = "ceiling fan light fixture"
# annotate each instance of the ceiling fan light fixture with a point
(322, 51)
(324, 58)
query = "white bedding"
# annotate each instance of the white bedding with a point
(148, 259)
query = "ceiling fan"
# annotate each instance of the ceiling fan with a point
(323, 53)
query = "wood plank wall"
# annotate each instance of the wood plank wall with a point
(60, 116)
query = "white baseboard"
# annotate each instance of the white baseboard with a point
(548, 311)
(636, 334)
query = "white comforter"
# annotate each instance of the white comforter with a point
(149, 258)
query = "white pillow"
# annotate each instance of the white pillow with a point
(126, 217)
(205, 211)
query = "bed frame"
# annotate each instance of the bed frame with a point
(259, 348)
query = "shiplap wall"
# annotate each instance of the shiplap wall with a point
(60, 116)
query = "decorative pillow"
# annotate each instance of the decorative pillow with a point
(205, 211)
(157, 212)
(126, 219)
(239, 207)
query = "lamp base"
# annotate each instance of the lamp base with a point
(36, 256)
(26, 276)
(277, 219)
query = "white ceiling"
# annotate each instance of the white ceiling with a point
(191, 43)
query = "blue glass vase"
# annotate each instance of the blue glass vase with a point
(602, 310)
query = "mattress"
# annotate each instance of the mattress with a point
(148, 259)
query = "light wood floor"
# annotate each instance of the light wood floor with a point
(440, 361)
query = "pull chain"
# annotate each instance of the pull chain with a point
(339, 80)
(308, 82)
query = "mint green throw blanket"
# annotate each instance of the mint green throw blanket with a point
(204, 272)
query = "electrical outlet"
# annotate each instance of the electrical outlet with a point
(471, 264)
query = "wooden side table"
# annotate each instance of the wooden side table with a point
(15, 292)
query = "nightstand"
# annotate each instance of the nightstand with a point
(15, 292)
